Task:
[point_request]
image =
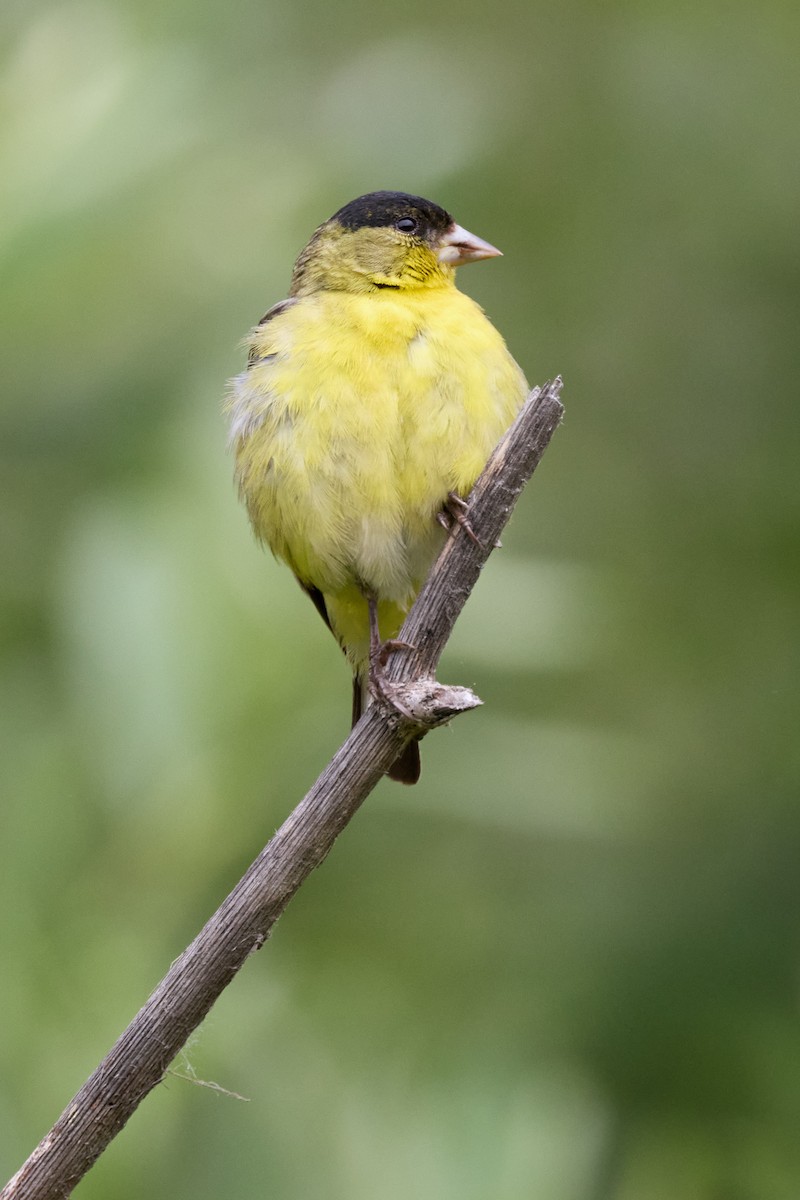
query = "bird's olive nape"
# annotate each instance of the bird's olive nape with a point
(410, 214)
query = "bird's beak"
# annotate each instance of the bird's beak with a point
(457, 247)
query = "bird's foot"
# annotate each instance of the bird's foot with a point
(387, 648)
(455, 512)
(386, 692)
(381, 688)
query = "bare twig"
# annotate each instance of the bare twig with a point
(139, 1059)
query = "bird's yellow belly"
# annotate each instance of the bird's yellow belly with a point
(355, 425)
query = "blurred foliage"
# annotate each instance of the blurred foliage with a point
(566, 965)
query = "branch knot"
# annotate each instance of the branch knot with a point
(424, 704)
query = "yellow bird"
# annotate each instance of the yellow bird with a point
(371, 401)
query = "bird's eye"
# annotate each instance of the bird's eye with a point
(406, 224)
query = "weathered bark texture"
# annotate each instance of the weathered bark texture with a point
(137, 1062)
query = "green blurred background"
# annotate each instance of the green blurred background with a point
(565, 966)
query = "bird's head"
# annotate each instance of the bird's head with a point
(386, 240)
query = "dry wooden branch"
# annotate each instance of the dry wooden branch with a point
(139, 1059)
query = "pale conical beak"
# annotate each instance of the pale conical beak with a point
(457, 246)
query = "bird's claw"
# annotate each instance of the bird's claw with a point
(386, 692)
(455, 512)
(381, 688)
(380, 656)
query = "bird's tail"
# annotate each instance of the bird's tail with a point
(406, 768)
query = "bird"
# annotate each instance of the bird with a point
(372, 398)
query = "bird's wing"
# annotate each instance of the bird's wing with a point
(247, 415)
(317, 599)
(248, 402)
(276, 310)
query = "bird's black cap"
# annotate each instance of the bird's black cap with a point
(387, 208)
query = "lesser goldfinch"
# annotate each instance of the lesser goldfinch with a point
(371, 401)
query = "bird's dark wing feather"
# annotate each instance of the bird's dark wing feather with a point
(318, 600)
(358, 699)
(275, 311)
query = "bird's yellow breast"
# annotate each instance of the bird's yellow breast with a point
(358, 415)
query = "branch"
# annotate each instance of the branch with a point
(139, 1059)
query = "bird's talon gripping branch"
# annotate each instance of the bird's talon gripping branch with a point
(388, 694)
(456, 513)
(379, 653)
(388, 648)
